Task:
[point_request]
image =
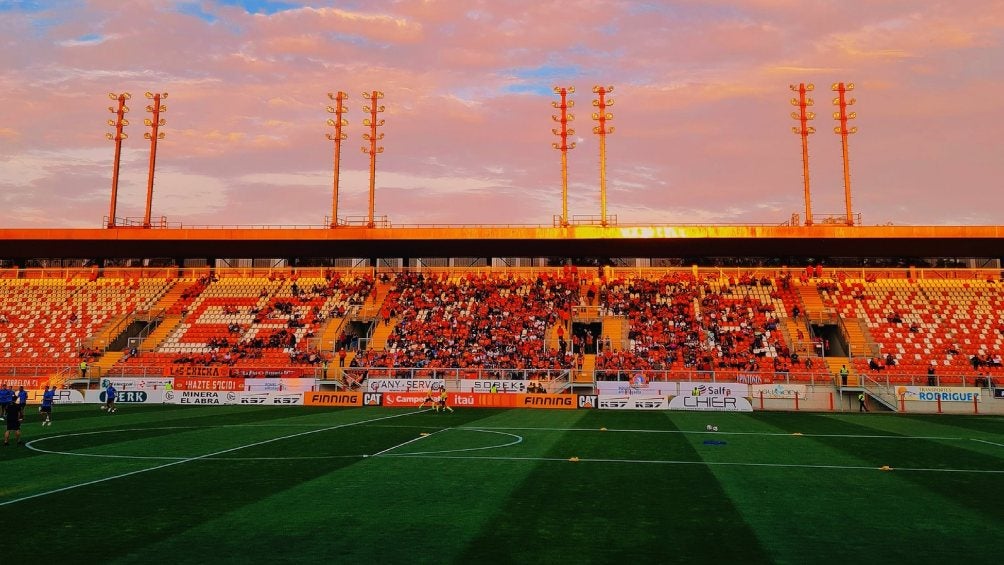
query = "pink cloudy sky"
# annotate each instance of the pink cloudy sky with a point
(701, 114)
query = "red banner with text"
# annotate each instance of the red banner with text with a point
(191, 383)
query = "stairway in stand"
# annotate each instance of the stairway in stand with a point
(101, 367)
(812, 302)
(615, 328)
(111, 330)
(801, 346)
(381, 332)
(371, 308)
(859, 339)
(585, 375)
(326, 343)
(153, 340)
(172, 295)
(833, 364)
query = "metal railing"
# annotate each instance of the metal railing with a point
(883, 393)
(32, 371)
(479, 373)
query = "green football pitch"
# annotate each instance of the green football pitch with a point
(169, 484)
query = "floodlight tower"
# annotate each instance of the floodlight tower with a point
(601, 129)
(842, 116)
(804, 129)
(337, 122)
(154, 123)
(564, 146)
(118, 123)
(373, 123)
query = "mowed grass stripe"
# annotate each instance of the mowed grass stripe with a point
(386, 509)
(159, 502)
(810, 515)
(799, 515)
(36, 472)
(604, 512)
(961, 429)
(26, 472)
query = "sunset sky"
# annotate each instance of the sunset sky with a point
(703, 132)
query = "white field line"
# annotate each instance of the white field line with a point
(31, 445)
(206, 456)
(989, 442)
(412, 440)
(770, 434)
(518, 440)
(708, 463)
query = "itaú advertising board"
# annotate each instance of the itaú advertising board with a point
(482, 400)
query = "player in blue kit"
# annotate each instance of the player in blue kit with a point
(22, 401)
(48, 397)
(109, 399)
(6, 397)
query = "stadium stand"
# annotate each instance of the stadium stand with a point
(253, 321)
(954, 326)
(475, 320)
(732, 326)
(45, 323)
(737, 324)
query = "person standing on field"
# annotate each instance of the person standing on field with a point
(861, 403)
(443, 398)
(48, 397)
(110, 399)
(22, 400)
(6, 397)
(13, 421)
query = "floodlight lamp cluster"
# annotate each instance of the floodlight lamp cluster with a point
(120, 121)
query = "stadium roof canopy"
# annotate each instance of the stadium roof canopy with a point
(507, 241)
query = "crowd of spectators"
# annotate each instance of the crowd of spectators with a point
(283, 318)
(483, 321)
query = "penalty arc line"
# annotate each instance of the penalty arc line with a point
(206, 456)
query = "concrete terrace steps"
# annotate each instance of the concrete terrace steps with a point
(803, 347)
(615, 328)
(859, 338)
(158, 335)
(381, 332)
(812, 302)
(833, 364)
(371, 308)
(172, 295)
(101, 367)
(585, 375)
(329, 331)
(110, 330)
